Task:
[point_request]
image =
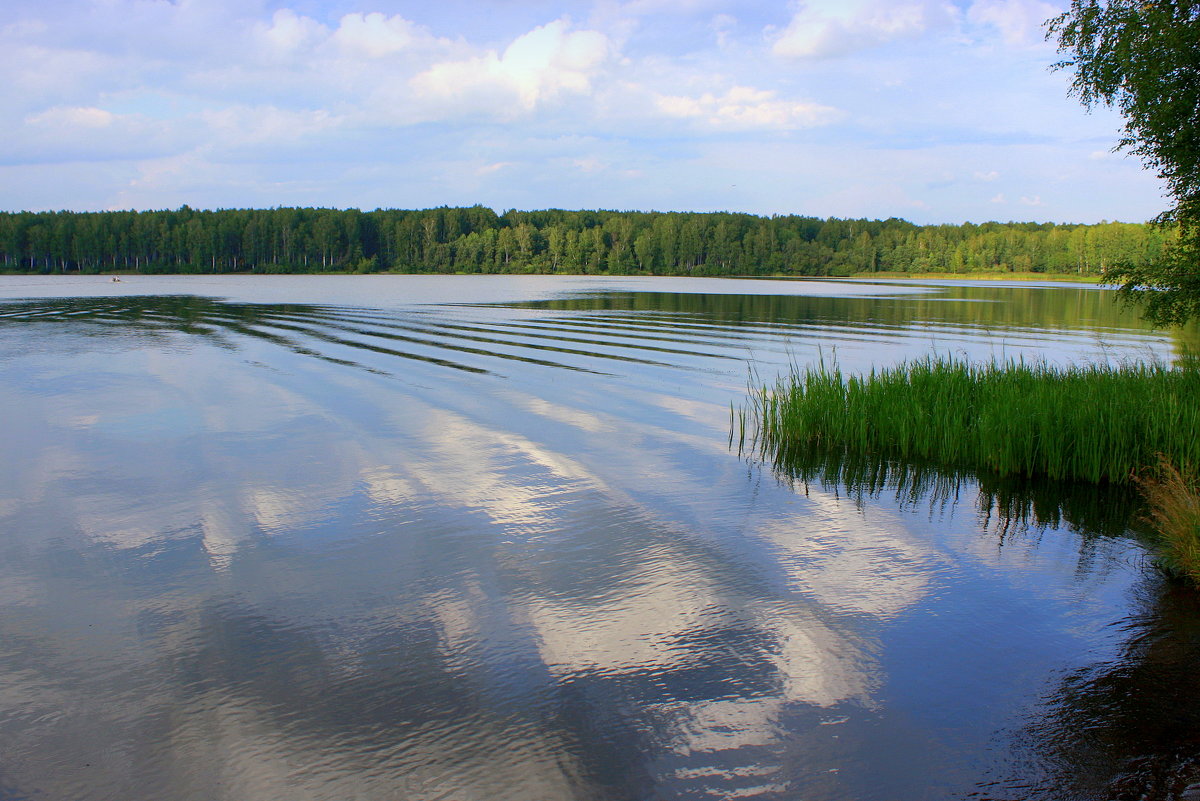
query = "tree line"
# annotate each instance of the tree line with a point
(478, 240)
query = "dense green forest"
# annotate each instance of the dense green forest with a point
(477, 240)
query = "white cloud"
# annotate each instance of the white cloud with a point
(289, 32)
(647, 7)
(221, 102)
(243, 125)
(830, 28)
(536, 68)
(743, 107)
(355, 46)
(89, 133)
(722, 25)
(1019, 21)
(170, 173)
(35, 77)
(589, 164)
(374, 34)
(72, 117)
(24, 28)
(998, 199)
(1036, 200)
(497, 166)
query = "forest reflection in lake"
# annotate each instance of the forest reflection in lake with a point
(473, 537)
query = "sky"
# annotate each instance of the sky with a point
(928, 110)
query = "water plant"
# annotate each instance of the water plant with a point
(1092, 422)
(1173, 501)
(1128, 424)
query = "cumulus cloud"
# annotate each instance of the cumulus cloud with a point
(228, 102)
(375, 34)
(743, 107)
(537, 67)
(831, 28)
(356, 44)
(289, 32)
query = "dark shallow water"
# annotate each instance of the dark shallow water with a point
(467, 537)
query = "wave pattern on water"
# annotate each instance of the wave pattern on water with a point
(478, 345)
(595, 333)
(221, 581)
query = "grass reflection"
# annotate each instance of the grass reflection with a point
(1120, 727)
(1006, 505)
(1068, 308)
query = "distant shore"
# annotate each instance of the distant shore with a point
(1074, 278)
(549, 241)
(973, 276)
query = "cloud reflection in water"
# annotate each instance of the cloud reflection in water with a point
(254, 551)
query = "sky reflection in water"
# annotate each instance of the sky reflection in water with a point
(459, 538)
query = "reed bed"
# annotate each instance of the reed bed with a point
(1096, 422)
(1173, 499)
(1126, 424)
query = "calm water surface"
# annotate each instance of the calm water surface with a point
(485, 538)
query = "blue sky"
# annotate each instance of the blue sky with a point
(923, 109)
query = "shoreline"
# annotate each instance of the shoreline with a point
(980, 276)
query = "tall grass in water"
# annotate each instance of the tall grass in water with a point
(1135, 423)
(1095, 423)
(1173, 498)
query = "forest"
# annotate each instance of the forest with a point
(478, 240)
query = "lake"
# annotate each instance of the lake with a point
(482, 537)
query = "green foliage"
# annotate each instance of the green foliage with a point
(1173, 498)
(476, 240)
(1168, 288)
(1143, 57)
(1092, 423)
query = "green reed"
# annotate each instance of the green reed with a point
(1173, 501)
(1096, 422)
